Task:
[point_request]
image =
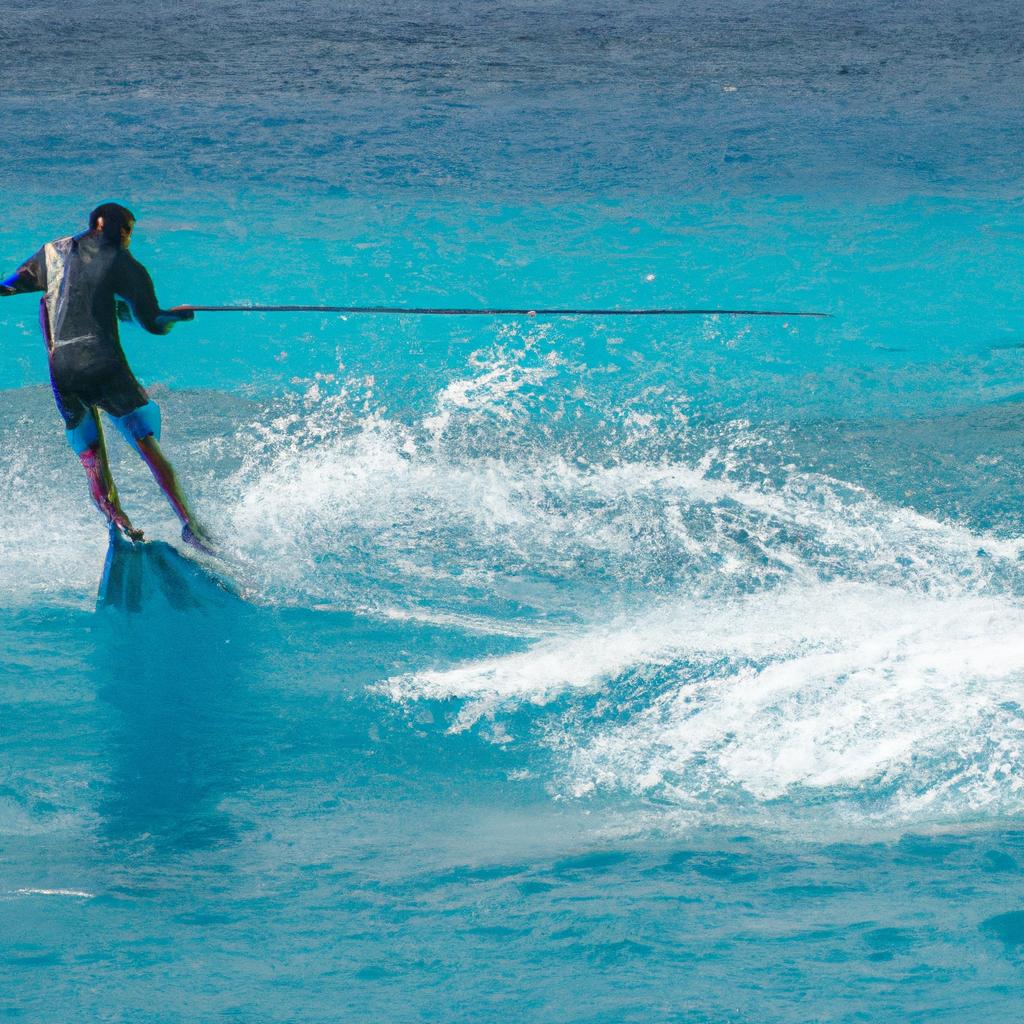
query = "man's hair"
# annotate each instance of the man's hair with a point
(115, 217)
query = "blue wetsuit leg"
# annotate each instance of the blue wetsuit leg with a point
(85, 435)
(139, 423)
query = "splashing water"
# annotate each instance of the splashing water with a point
(713, 629)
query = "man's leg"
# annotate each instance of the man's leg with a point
(87, 440)
(85, 435)
(163, 473)
(141, 428)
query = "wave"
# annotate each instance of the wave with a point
(707, 623)
(888, 704)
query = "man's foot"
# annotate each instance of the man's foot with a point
(196, 537)
(121, 523)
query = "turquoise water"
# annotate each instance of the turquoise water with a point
(586, 669)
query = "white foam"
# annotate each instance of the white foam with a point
(761, 631)
(334, 468)
(426, 514)
(77, 893)
(821, 688)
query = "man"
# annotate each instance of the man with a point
(81, 276)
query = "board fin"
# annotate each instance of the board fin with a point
(139, 574)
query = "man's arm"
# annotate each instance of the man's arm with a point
(29, 277)
(135, 284)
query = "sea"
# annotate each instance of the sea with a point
(572, 669)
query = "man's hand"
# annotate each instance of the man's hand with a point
(6, 290)
(169, 317)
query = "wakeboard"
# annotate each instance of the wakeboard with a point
(138, 573)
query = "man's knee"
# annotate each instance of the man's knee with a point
(139, 424)
(85, 435)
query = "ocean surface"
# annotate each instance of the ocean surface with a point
(583, 670)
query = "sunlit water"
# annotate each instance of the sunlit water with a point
(586, 669)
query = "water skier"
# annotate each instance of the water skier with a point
(82, 277)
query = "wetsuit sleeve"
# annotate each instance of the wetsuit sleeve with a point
(134, 284)
(29, 277)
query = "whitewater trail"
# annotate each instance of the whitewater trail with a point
(706, 631)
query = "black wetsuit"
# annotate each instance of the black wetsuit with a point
(82, 276)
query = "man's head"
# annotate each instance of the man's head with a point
(114, 222)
